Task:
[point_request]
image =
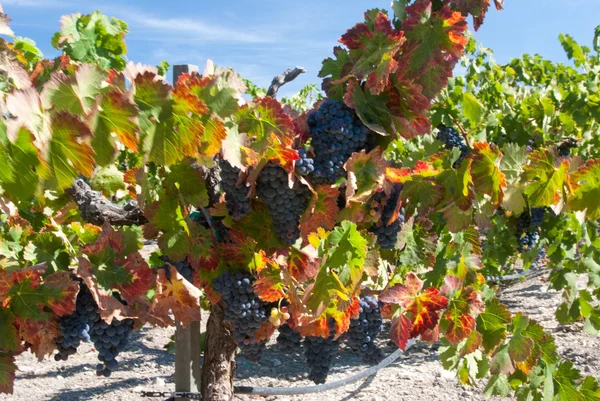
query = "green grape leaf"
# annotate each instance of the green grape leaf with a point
(471, 107)
(493, 323)
(333, 70)
(7, 373)
(545, 179)
(70, 156)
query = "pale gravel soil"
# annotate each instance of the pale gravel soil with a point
(416, 376)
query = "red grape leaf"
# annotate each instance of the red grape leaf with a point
(545, 178)
(400, 331)
(269, 284)
(64, 302)
(322, 211)
(264, 332)
(69, 154)
(408, 108)
(177, 296)
(366, 172)
(373, 46)
(430, 33)
(40, 334)
(422, 309)
(586, 189)
(477, 8)
(116, 114)
(142, 278)
(301, 266)
(7, 373)
(487, 177)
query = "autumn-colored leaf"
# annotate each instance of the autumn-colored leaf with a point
(69, 154)
(545, 178)
(487, 177)
(322, 210)
(421, 308)
(464, 306)
(269, 284)
(373, 46)
(142, 278)
(365, 174)
(177, 296)
(400, 331)
(586, 189)
(477, 8)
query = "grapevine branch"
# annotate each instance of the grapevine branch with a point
(282, 79)
(96, 209)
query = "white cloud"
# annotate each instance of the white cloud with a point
(37, 3)
(200, 31)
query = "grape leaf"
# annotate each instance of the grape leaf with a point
(545, 179)
(422, 308)
(400, 331)
(270, 132)
(428, 33)
(178, 296)
(463, 307)
(7, 372)
(366, 173)
(586, 185)
(458, 185)
(269, 284)
(374, 46)
(8, 335)
(321, 212)
(26, 106)
(487, 177)
(492, 324)
(333, 70)
(116, 114)
(187, 181)
(70, 156)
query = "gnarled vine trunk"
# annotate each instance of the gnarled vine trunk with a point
(219, 358)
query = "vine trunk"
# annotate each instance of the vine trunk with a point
(219, 358)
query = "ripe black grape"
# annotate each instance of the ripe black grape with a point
(109, 341)
(184, 268)
(75, 328)
(452, 139)
(387, 234)
(564, 149)
(319, 354)
(336, 133)
(243, 310)
(364, 330)
(305, 164)
(236, 193)
(288, 339)
(253, 350)
(528, 227)
(284, 204)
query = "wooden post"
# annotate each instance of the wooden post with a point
(187, 340)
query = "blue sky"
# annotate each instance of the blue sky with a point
(261, 38)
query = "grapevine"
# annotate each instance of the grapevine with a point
(279, 219)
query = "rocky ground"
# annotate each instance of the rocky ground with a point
(415, 376)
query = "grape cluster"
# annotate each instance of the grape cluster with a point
(319, 354)
(336, 133)
(564, 149)
(76, 327)
(284, 204)
(288, 339)
(253, 350)
(184, 268)
(364, 330)
(528, 228)
(387, 234)
(236, 194)
(243, 309)
(110, 340)
(452, 139)
(305, 164)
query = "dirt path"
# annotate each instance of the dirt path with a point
(415, 376)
